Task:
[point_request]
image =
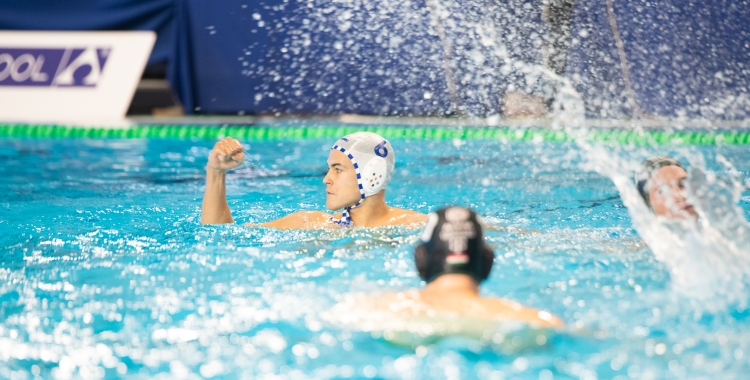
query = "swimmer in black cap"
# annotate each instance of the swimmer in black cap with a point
(452, 243)
(661, 183)
(453, 259)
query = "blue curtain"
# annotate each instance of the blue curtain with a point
(685, 58)
(277, 56)
(156, 15)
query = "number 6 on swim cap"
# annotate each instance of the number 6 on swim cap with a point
(373, 160)
(381, 150)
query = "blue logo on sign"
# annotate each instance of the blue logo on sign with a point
(72, 67)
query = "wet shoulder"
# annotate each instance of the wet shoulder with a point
(407, 217)
(302, 220)
(510, 310)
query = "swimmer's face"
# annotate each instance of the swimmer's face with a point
(666, 191)
(342, 189)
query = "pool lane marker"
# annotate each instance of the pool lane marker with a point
(251, 132)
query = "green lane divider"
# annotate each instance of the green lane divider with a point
(251, 132)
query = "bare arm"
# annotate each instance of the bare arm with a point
(215, 209)
(227, 154)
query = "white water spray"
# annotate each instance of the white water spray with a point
(709, 262)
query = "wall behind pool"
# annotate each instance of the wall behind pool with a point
(415, 57)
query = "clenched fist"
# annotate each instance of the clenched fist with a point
(226, 154)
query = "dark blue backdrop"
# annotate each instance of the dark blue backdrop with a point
(279, 56)
(380, 57)
(686, 58)
(156, 15)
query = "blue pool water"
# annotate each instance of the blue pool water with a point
(106, 270)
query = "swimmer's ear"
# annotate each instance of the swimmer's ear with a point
(489, 259)
(420, 259)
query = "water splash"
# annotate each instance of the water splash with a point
(709, 261)
(483, 59)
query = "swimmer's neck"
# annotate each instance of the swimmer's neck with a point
(370, 211)
(453, 283)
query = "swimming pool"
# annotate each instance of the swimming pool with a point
(106, 270)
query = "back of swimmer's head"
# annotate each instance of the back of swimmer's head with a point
(373, 159)
(452, 242)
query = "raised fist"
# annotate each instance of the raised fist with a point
(226, 154)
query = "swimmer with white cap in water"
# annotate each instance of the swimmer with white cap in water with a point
(453, 259)
(360, 165)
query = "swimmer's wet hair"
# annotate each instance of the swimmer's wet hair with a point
(452, 242)
(648, 168)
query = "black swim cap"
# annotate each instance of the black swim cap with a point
(648, 168)
(452, 242)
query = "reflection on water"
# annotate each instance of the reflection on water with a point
(104, 274)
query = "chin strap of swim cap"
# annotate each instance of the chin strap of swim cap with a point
(346, 218)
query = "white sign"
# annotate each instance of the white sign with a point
(70, 77)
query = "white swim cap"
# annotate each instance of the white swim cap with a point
(373, 160)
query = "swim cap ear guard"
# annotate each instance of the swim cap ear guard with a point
(452, 242)
(648, 168)
(375, 176)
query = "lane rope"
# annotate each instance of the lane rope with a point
(254, 132)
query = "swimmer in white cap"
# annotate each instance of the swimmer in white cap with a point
(360, 166)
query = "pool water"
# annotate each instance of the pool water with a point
(107, 272)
